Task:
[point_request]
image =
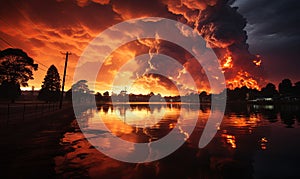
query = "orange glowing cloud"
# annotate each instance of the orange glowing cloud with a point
(44, 29)
(127, 65)
(154, 83)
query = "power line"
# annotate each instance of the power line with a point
(41, 64)
(42, 69)
(5, 41)
(21, 32)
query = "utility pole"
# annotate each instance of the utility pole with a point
(64, 79)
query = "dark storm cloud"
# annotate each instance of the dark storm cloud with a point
(223, 29)
(273, 30)
(128, 9)
(68, 13)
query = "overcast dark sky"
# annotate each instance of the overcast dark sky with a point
(274, 32)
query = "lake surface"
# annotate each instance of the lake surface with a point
(252, 141)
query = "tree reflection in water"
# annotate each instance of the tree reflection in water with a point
(245, 133)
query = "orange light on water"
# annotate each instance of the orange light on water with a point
(264, 139)
(263, 143)
(230, 139)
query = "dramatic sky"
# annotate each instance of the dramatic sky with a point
(46, 28)
(273, 32)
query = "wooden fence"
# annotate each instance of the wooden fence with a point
(15, 113)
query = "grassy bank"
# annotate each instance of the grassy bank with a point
(28, 149)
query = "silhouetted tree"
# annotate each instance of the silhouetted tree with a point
(203, 97)
(285, 87)
(244, 93)
(98, 96)
(296, 89)
(269, 91)
(9, 90)
(203, 94)
(81, 87)
(15, 70)
(238, 94)
(297, 84)
(69, 95)
(154, 98)
(254, 94)
(106, 93)
(51, 85)
(83, 93)
(106, 96)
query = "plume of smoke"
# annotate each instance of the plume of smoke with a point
(215, 20)
(223, 29)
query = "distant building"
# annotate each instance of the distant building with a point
(123, 93)
(29, 95)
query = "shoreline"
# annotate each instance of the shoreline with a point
(29, 149)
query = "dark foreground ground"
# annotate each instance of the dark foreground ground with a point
(27, 149)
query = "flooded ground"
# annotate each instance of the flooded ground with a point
(252, 142)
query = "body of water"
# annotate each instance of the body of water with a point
(253, 141)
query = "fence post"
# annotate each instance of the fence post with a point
(7, 113)
(23, 111)
(42, 111)
(35, 112)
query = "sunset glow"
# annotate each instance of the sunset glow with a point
(44, 35)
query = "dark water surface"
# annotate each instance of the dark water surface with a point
(252, 142)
